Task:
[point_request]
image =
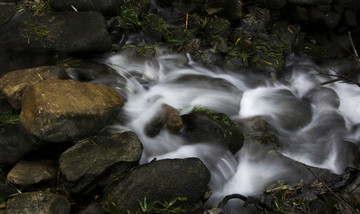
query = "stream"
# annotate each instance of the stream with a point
(311, 120)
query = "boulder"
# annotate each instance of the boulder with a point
(89, 160)
(65, 110)
(272, 4)
(15, 142)
(14, 84)
(310, 2)
(38, 202)
(106, 7)
(32, 172)
(207, 126)
(163, 181)
(168, 117)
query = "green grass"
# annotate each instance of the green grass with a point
(9, 117)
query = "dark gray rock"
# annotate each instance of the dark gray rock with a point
(162, 180)
(205, 125)
(330, 19)
(350, 17)
(93, 208)
(310, 2)
(7, 11)
(32, 172)
(106, 7)
(272, 4)
(94, 158)
(154, 27)
(38, 202)
(15, 142)
(352, 4)
(217, 27)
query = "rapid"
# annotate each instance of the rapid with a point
(311, 119)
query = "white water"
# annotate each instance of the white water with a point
(305, 115)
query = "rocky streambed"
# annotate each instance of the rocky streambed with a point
(64, 99)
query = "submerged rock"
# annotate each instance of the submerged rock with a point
(163, 181)
(90, 160)
(168, 117)
(65, 110)
(38, 202)
(205, 125)
(15, 83)
(32, 172)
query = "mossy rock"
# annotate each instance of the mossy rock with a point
(155, 27)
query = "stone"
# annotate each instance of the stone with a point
(93, 208)
(163, 181)
(32, 172)
(66, 110)
(15, 143)
(204, 125)
(217, 27)
(94, 158)
(168, 117)
(106, 7)
(14, 84)
(7, 12)
(272, 4)
(310, 2)
(38, 202)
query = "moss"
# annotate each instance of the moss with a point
(219, 117)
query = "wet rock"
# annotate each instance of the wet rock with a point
(217, 27)
(324, 98)
(65, 110)
(284, 110)
(255, 125)
(15, 83)
(168, 117)
(93, 208)
(15, 142)
(272, 4)
(162, 180)
(328, 18)
(256, 21)
(38, 202)
(94, 158)
(229, 9)
(310, 2)
(32, 172)
(204, 125)
(105, 7)
(7, 11)
(154, 27)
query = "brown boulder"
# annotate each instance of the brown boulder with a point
(66, 110)
(15, 83)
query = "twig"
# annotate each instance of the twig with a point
(186, 21)
(352, 45)
(331, 191)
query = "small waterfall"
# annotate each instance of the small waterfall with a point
(311, 120)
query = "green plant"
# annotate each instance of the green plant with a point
(129, 19)
(162, 207)
(148, 207)
(10, 116)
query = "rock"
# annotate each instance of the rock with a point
(65, 110)
(154, 27)
(38, 202)
(284, 110)
(204, 125)
(15, 143)
(310, 2)
(162, 180)
(168, 117)
(217, 27)
(255, 125)
(7, 12)
(93, 208)
(94, 158)
(82, 32)
(32, 172)
(330, 19)
(15, 83)
(106, 7)
(272, 4)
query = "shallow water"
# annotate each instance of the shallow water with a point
(312, 121)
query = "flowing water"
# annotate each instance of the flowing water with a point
(311, 120)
